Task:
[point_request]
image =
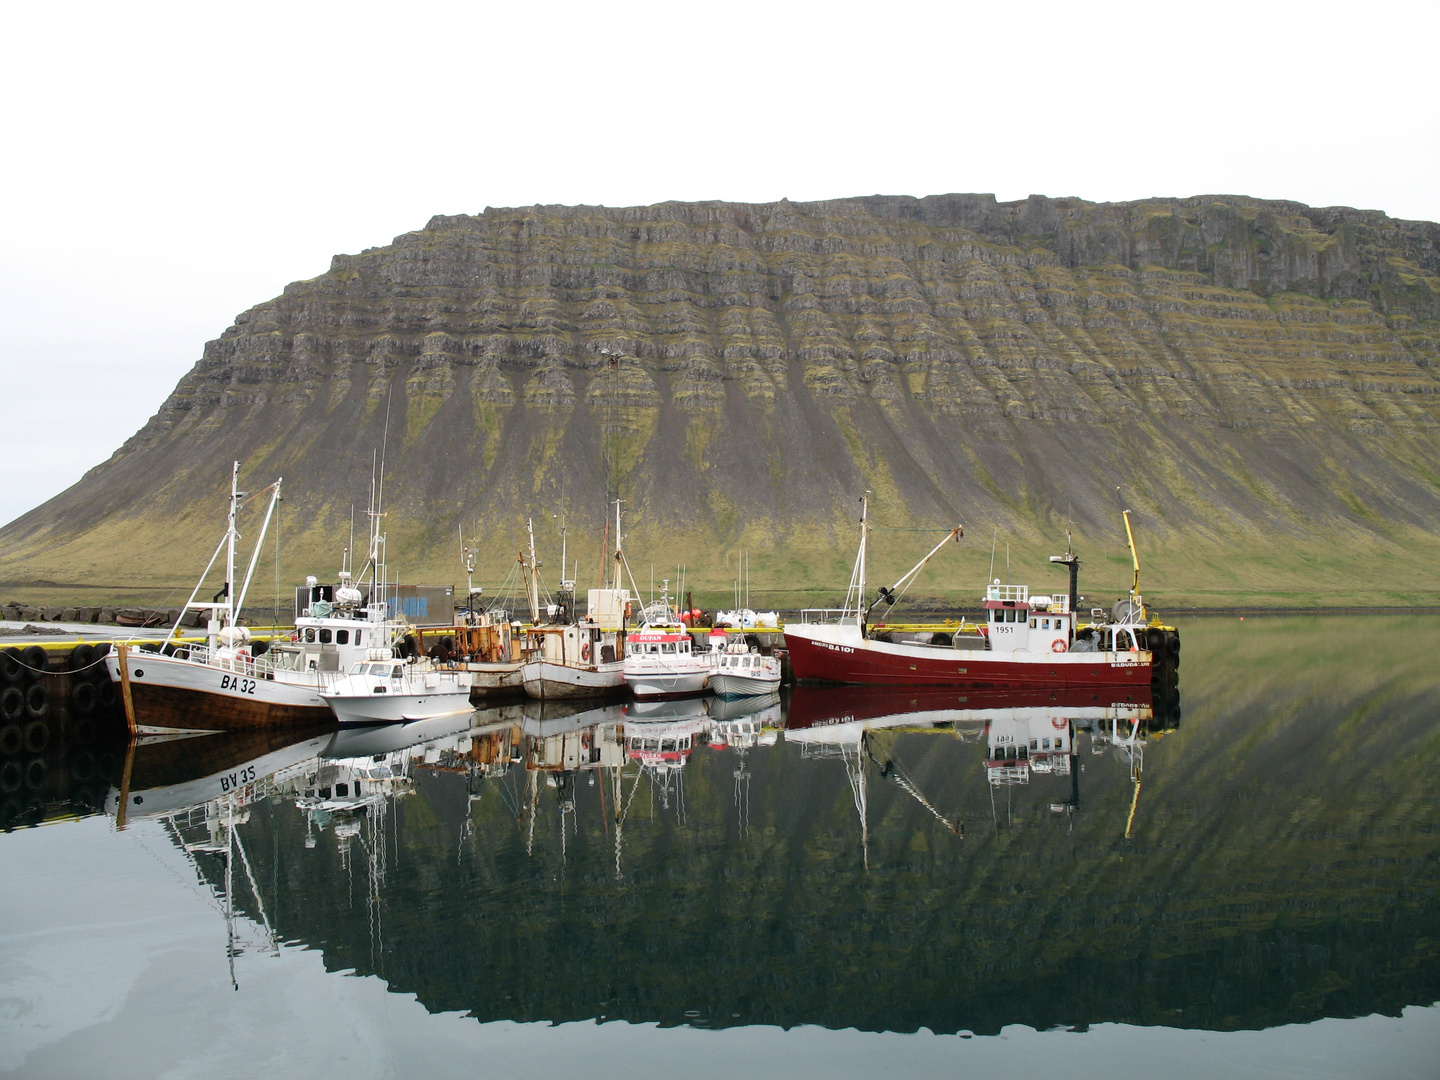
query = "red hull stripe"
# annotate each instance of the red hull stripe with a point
(824, 662)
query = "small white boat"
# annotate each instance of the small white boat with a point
(742, 671)
(389, 691)
(660, 662)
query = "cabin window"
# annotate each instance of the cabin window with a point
(1059, 743)
(342, 791)
(342, 637)
(668, 647)
(325, 637)
(310, 634)
(358, 634)
(1010, 614)
(324, 793)
(1032, 743)
(1032, 624)
(357, 789)
(1045, 744)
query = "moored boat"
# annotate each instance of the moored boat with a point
(386, 690)
(660, 662)
(583, 658)
(740, 670)
(225, 683)
(1025, 642)
(233, 682)
(481, 642)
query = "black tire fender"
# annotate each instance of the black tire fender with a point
(82, 699)
(37, 701)
(37, 736)
(36, 661)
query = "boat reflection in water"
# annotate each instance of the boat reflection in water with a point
(853, 857)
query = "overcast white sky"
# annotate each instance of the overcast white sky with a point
(168, 165)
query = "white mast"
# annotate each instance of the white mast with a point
(230, 546)
(534, 589)
(855, 594)
(255, 557)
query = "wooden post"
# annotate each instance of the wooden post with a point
(123, 651)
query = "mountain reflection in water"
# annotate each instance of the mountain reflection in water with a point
(877, 859)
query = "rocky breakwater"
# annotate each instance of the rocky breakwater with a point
(130, 616)
(1244, 370)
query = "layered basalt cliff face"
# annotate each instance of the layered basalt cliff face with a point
(1241, 370)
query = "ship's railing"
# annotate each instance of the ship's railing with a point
(248, 666)
(1006, 775)
(828, 615)
(1017, 594)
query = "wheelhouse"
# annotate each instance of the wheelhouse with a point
(1017, 621)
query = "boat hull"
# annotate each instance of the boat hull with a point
(733, 684)
(357, 711)
(175, 693)
(545, 679)
(666, 684)
(496, 680)
(837, 654)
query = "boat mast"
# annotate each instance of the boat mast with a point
(467, 559)
(564, 549)
(855, 594)
(377, 540)
(534, 575)
(230, 546)
(255, 557)
(618, 544)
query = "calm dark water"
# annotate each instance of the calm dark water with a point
(1239, 874)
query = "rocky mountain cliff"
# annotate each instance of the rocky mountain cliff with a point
(1258, 378)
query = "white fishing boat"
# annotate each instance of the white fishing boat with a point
(660, 656)
(387, 690)
(660, 662)
(741, 670)
(234, 682)
(583, 658)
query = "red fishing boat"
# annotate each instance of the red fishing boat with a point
(1025, 642)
